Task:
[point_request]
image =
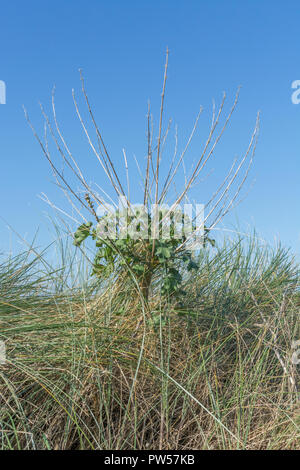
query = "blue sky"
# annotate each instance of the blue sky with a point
(215, 46)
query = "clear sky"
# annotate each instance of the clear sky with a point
(215, 46)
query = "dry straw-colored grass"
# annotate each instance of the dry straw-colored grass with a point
(85, 370)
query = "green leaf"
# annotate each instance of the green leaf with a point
(82, 233)
(163, 252)
(192, 265)
(98, 269)
(138, 268)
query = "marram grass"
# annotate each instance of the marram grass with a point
(91, 367)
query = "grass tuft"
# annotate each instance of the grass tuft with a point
(87, 370)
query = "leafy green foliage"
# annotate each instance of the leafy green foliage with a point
(82, 233)
(144, 257)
